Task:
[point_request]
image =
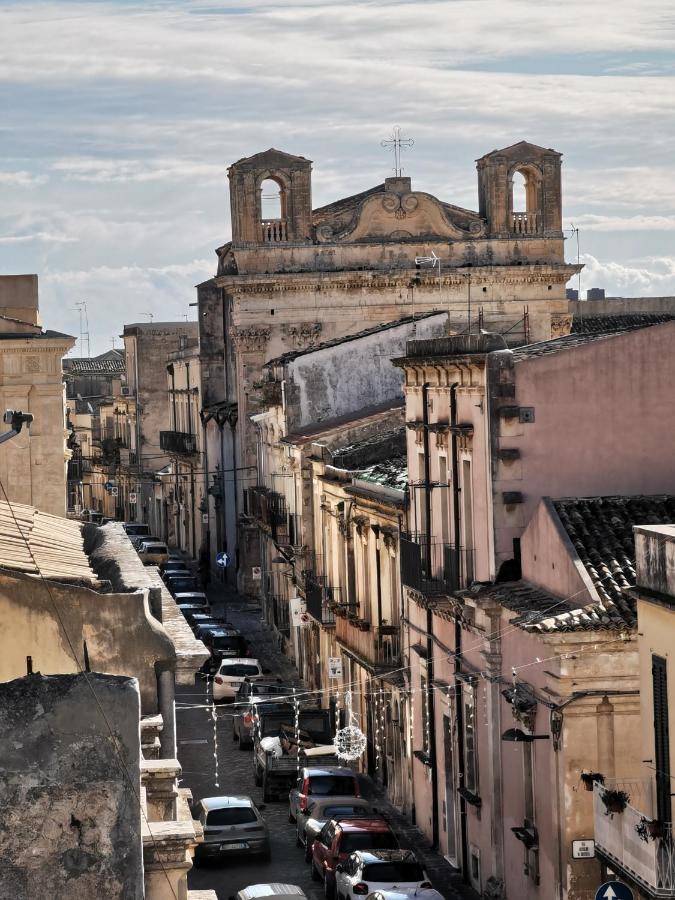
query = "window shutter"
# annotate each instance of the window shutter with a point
(661, 738)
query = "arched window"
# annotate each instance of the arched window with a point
(272, 212)
(270, 200)
(524, 202)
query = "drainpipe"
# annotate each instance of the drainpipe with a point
(431, 698)
(459, 711)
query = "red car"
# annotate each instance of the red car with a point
(337, 840)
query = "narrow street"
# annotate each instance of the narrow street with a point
(195, 750)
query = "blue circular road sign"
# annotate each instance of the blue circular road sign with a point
(222, 560)
(614, 890)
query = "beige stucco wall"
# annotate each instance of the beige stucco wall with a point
(43, 619)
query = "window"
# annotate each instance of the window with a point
(230, 816)
(519, 192)
(368, 840)
(470, 741)
(332, 786)
(336, 812)
(661, 738)
(394, 872)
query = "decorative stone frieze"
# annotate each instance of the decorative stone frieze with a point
(251, 338)
(561, 324)
(303, 334)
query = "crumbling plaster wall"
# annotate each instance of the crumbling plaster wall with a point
(69, 816)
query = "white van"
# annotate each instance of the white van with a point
(273, 891)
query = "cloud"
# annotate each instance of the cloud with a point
(22, 179)
(47, 236)
(97, 170)
(644, 277)
(589, 222)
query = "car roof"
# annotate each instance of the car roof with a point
(311, 771)
(190, 594)
(239, 660)
(225, 632)
(235, 801)
(273, 889)
(375, 856)
(367, 823)
(149, 544)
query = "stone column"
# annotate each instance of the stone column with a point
(166, 695)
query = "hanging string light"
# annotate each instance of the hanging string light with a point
(378, 734)
(214, 716)
(296, 708)
(350, 741)
(427, 723)
(383, 731)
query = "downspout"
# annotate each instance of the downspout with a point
(431, 704)
(459, 711)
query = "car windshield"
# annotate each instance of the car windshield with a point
(366, 840)
(155, 548)
(334, 812)
(393, 872)
(237, 815)
(137, 529)
(259, 689)
(239, 670)
(332, 785)
(226, 643)
(184, 584)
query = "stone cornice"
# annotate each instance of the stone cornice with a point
(547, 273)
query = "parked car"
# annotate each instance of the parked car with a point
(153, 553)
(380, 870)
(189, 608)
(204, 629)
(139, 539)
(205, 618)
(270, 892)
(320, 811)
(338, 840)
(136, 528)
(191, 597)
(227, 643)
(244, 717)
(230, 675)
(174, 565)
(232, 825)
(181, 584)
(321, 781)
(422, 893)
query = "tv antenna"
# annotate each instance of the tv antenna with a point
(81, 306)
(575, 231)
(150, 316)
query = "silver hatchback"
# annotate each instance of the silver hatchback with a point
(232, 825)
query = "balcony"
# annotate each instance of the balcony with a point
(623, 839)
(524, 223)
(378, 647)
(178, 442)
(435, 568)
(268, 508)
(273, 231)
(320, 602)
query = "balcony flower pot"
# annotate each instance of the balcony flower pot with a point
(588, 778)
(654, 828)
(363, 625)
(615, 801)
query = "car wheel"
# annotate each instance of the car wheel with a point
(315, 874)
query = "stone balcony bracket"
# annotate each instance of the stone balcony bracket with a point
(151, 726)
(159, 778)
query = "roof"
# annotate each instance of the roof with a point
(38, 543)
(311, 432)
(391, 472)
(601, 531)
(346, 203)
(105, 364)
(595, 331)
(590, 324)
(336, 342)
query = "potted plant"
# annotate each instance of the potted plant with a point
(589, 777)
(654, 828)
(615, 801)
(364, 624)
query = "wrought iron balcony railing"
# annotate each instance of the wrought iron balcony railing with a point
(435, 568)
(178, 442)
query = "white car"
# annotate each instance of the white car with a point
(230, 675)
(367, 871)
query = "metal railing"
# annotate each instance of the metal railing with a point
(524, 223)
(435, 568)
(267, 507)
(274, 230)
(633, 845)
(318, 603)
(178, 442)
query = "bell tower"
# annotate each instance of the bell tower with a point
(539, 169)
(271, 199)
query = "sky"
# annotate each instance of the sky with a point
(119, 120)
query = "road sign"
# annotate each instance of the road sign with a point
(222, 560)
(109, 485)
(583, 849)
(614, 890)
(132, 498)
(114, 491)
(256, 573)
(299, 615)
(334, 667)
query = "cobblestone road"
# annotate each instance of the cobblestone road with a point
(195, 750)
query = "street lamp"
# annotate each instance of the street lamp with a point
(518, 736)
(17, 419)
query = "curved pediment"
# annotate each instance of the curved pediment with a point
(389, 216)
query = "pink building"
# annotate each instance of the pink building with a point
(515, 604)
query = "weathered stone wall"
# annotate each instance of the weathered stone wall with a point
(69, 816)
